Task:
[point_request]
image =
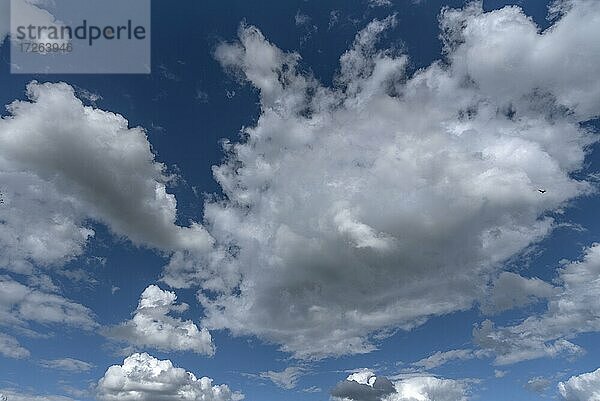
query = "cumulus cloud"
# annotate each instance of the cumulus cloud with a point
(585, 387)
(428, 388)
(507, 56)
(62, 163)
(142, 377)
(10, 348)
(390, 198)
(21, 304)
(286, 379)
(152, 326)
(365, 386)
(67, 364)
(573, 309)
(301, 19)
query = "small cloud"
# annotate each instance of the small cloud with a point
(441, 358)
(334, 17)
(380, 3)
(85, 94)
(157, 128)
(201, 96)
(301, 19)
(114, 289)
(167, 74)
(154, 326)
(67, 364)
(286, 379)
(537, 384)
(500, 373)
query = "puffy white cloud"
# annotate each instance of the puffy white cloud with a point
(507, 56)
(287, 378)
(20, 304)
(365, 386)
(388, 198)
(62, 163)
(68, 364)
(151, 325)
(145, 378)
(428, 388)
(575, 308)
(10, 348)
(585, 387)
(511, 290)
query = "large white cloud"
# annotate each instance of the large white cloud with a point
(145, 378)
(62, 163)
(388, 198)
(575, 308)
(365, 386)
(151, 325)
(585, 387)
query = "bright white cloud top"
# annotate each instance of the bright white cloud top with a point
(585, 387)
(151, 325)
(142, 377)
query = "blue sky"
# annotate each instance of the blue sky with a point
(373, 207)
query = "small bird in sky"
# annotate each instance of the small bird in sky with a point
(542, 191)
